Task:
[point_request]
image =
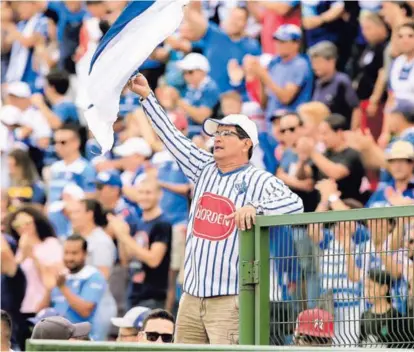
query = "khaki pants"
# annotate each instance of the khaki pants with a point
(212, 320)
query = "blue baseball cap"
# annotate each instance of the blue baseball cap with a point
(404, 107)
(288, 32)
(44, 313)
(109, 178)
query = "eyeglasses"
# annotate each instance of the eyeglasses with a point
(153, 336)
(290, 129)
(225, 133)
(189, 72)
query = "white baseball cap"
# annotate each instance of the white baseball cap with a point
(210, 126)
(194, 61)
(10, 115)
(135, 145)
(19, 89)
(401, 150)
(134, 318)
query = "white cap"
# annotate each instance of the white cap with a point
(210, 126)
(401, 150)
(10, 115)
(74, 191)
(134, 318)
(194, 61)
(71, 189)
(19, 89)
(133, 146)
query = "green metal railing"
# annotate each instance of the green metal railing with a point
(255, 263)
(254, 297)
(47, 345)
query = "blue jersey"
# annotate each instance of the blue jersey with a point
(296, 71)
(206, 95)
(128, 103)
(30, 75)
(88, 284)
(80, 172)
(67, 112)
(379, 200)
(173, 205)
(328, 31)
(285, 268)
(219, 49)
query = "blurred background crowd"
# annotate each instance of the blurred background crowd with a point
(330, 85)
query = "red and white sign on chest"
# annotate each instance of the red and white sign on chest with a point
(209, 221)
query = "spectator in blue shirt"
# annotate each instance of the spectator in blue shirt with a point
(322, 20)
(333, 88)
(400, 191)
(23, 39)
(109, 194)
(222, 44)
(202, 96)
(287, 81)
(73, 168)
(75, 295)
(61, 109)
(70, 19)
(402, 126)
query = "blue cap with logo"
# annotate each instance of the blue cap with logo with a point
(44, 313)
(109, 178)
(288, 32)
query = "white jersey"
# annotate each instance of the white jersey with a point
(212, 249)
(402, 78)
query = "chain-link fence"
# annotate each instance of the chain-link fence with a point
(340, 279)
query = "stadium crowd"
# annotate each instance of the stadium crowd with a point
(91, 238)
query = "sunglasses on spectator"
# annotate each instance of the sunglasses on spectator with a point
(290, 129)
(153, 336)
(189, 72)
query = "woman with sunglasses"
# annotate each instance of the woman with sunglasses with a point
(25, 185)
(39, 253)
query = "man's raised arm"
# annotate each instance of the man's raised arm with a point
(191, 159)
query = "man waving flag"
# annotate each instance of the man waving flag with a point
(140, 28)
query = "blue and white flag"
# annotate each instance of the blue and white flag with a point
(140, 28)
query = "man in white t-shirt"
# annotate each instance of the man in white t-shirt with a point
(34, 129)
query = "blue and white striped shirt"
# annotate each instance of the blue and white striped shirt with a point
(212, 252)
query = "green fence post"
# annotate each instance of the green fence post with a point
(262, 290)
(246, 297)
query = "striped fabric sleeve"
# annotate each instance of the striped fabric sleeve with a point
(191, 159)
(277, 198)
